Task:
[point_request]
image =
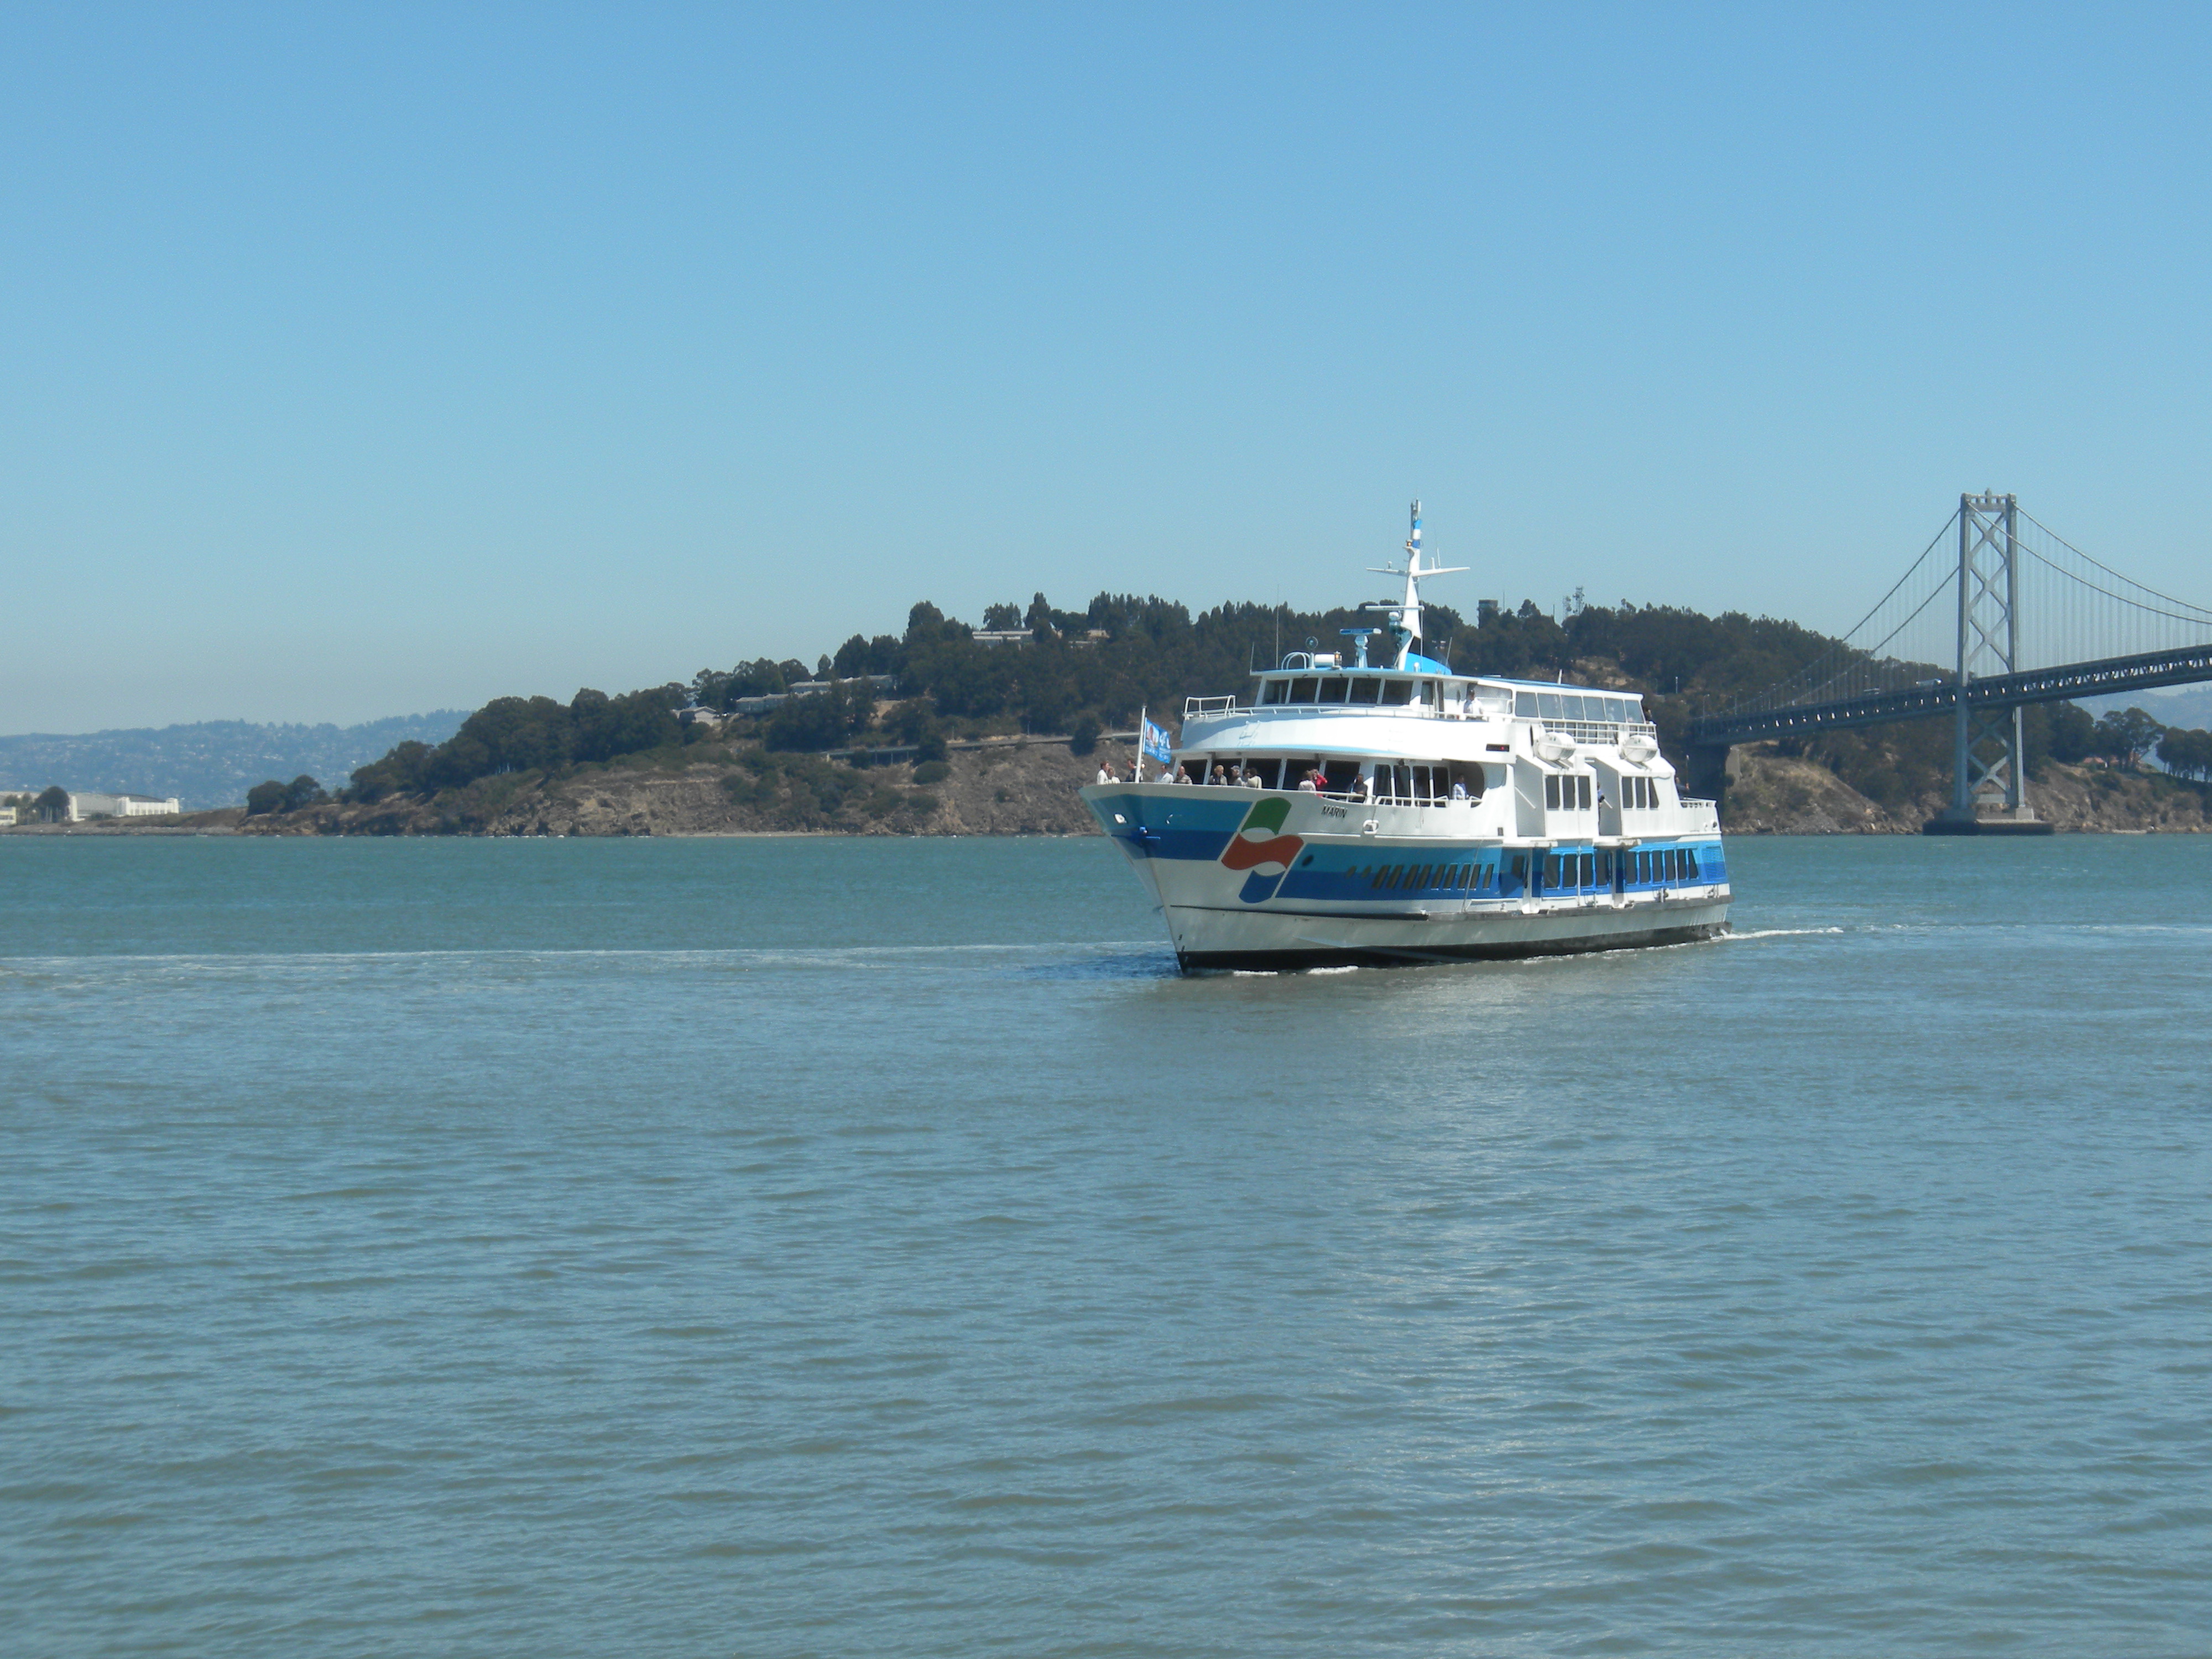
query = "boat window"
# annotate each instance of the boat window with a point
(1397, 691)
(1364, 690)
(1548, 703)
(1432, 694)
(1551, 792)
(1273, 691)
(1524, 704)
(1332, 689)
(1582, 792)
(1689, 864)
(1302, 691)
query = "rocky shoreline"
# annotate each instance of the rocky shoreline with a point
(1772, 794)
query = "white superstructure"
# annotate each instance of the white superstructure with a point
(1382, 808)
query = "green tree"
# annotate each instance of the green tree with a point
(52, 803)
(2126, 736)
(2187, 754)
(265, 798)
(819, 720)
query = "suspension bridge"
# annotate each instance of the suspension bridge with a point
(2026, 617)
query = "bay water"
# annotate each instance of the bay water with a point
(783, 1246)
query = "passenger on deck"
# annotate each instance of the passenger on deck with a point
(1220, 775)
(1105, 775)
(1251, 778)
(1367, 788)
(1459, 788)
(1308, 785)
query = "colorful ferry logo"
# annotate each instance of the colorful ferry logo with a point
(1258, 847)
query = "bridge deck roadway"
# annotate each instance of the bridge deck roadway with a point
(2078, 680)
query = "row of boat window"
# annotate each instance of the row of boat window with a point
(1555, 706)
(1448, 877)
(1413, 784)
(1661, 866)
(1353, 688)
(1573, 794)
(1587, 706)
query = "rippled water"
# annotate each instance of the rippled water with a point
(804, 1247)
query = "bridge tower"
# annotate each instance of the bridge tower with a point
(1987, 748)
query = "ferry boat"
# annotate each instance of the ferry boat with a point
(1372, 806)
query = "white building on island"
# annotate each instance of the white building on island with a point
(92, 804)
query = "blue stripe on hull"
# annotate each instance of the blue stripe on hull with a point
(1346, 874)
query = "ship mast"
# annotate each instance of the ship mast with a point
(1405, 616)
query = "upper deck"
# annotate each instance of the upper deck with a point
(1318, 687)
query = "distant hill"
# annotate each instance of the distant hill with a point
(212, 764)
(2187, 706)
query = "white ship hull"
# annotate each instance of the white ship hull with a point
(1316, 885)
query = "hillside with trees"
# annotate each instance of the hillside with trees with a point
(1079, 674)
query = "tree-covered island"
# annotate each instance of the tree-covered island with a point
(1037, 670)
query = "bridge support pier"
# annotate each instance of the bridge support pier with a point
(1987, 784)
(1705, 771)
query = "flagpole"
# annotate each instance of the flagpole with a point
(1139, 775)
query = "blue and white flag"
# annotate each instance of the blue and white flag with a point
(1154, 741)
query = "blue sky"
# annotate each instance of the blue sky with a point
(363, 359)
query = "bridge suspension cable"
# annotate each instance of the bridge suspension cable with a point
(2065, 607)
